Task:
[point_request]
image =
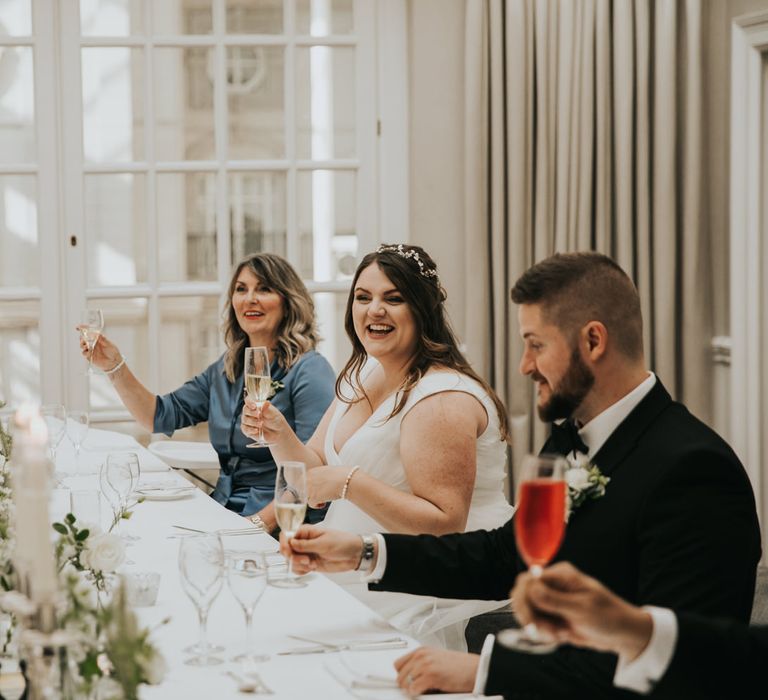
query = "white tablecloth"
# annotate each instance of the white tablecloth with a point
(321, 610)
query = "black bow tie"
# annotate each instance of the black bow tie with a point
(566, 439)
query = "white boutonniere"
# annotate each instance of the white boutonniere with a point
(277, 385)
(584, 480)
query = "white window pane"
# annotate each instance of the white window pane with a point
(189, 325)
(111, 17)
(325, 102)
(257, 211)
(255, 94)
(186, 222)
(115, 227)
(126, 325)
(19, 352)
(324, 17)
(17, 123)
(183, 96)
(182, 17)
(19, 251)
(329, 311)
(327, 224)
(248, 17)
(15, 17)
(113, 104)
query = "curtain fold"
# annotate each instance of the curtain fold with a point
(583, 132)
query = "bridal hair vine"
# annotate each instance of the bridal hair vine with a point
(399, 249)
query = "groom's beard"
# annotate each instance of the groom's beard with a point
(567, 396)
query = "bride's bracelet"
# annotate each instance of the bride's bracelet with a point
(347, 480)
(116, 367)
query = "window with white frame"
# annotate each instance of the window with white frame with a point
(192, 132)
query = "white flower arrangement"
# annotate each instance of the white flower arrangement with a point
(584, 480)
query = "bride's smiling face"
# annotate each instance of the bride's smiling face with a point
(383, 320)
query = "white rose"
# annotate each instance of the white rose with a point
(155, 669)
(105, 552)
(577, 478)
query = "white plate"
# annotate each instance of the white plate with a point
(169, 494)
(186, 455)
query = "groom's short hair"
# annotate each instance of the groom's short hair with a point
(576, 288)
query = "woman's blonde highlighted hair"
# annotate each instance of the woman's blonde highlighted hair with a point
(297, 332)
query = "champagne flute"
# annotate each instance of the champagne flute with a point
(258, 384)
(539, 530)
(90, 328)
(247, 577)
(77, 429)
(201, 570)
(290, 508)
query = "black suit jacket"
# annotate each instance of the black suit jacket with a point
(715, 659)
(676, 527)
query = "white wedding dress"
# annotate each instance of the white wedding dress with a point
(375, 447)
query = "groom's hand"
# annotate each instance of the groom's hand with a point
(314, 548)
(436, 669)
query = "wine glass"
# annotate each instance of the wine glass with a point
(91, 326)
(539, 530)
(247, 576)
(77, 429)
(258, 384)
(123, 472)
(201, 570)
(55, 417)
(290, 508)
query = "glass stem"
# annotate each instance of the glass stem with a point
(202, 616)
(248, 628)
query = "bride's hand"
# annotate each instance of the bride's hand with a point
(106, 355)
(270, 419)
(325, 484)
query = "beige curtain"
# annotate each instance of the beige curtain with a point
(583, 132)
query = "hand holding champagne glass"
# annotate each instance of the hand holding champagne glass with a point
(91, 327)
(258, 383)
(290, 504)
(539, 530)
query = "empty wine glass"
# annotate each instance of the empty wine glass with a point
(247, 577)
(539, 530)
(55, 417)
(290, 508)
(77, 429)
(258, 384)
(91, 326)
(201, 569)
(122, 472)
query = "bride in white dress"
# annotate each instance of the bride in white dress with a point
(414, 442)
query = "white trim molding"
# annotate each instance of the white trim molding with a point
(749, 253)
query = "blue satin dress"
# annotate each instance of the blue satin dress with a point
(247, 479)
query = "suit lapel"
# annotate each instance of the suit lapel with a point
(626, 436)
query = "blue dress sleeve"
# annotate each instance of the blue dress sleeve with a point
(188, 405)
(312, 391)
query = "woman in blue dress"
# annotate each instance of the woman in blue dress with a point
(267, 305)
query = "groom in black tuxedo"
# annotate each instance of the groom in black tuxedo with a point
(676, 526)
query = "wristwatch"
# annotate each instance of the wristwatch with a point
(365, 565)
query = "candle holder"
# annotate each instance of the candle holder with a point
(47, 664)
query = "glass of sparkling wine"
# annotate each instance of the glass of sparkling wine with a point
(91, 327)
(539, 530)
(258, 384)
(290, 508)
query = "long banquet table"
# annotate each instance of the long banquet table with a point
(321, 610)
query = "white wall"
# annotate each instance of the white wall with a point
(436, 94)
